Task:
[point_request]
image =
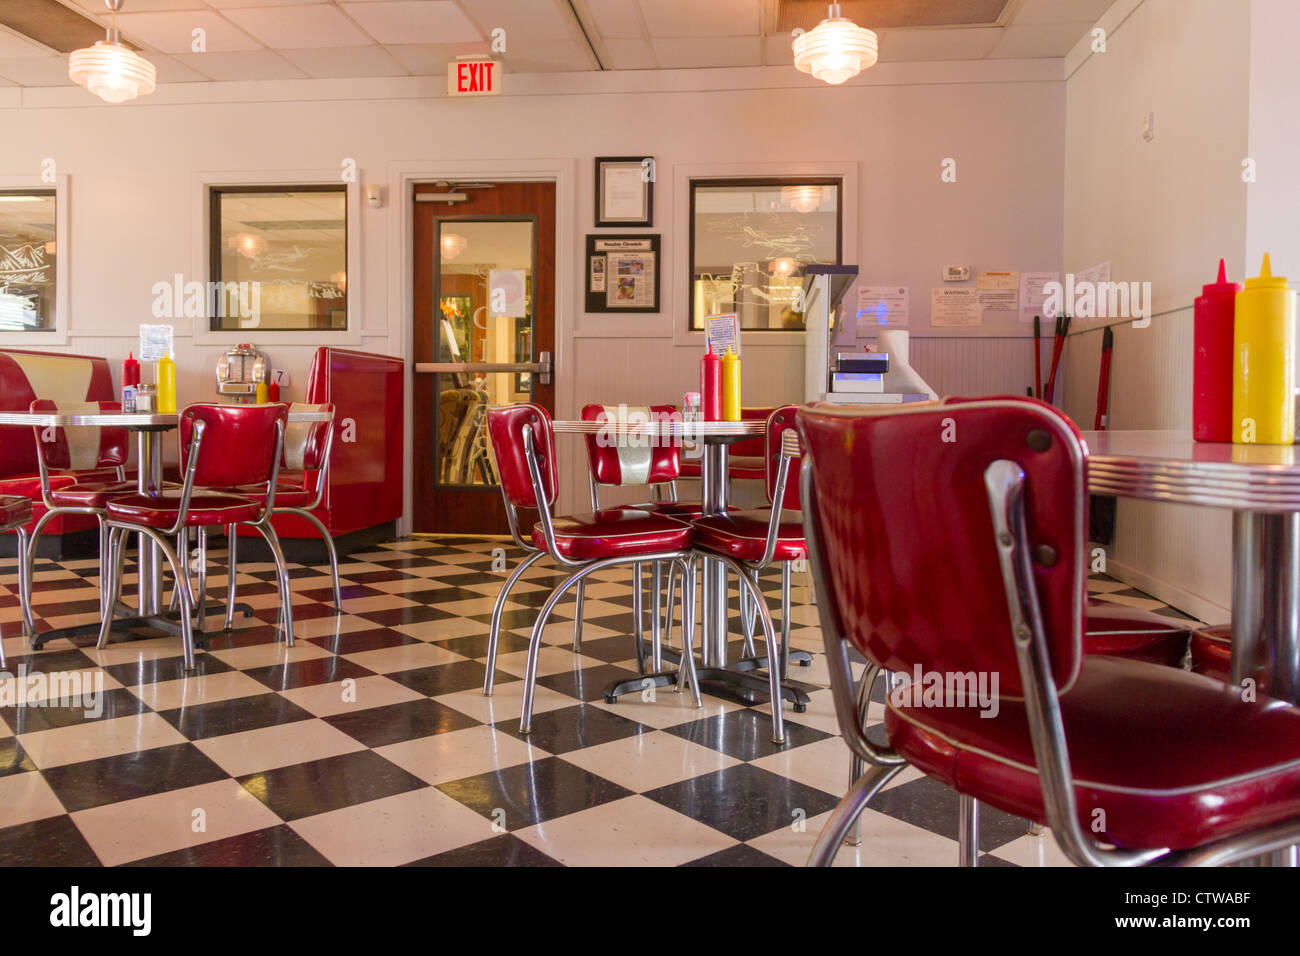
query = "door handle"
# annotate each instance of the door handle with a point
(544, 367)
(445, 367)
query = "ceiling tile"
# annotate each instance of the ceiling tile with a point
(344, 62)
(297, 28)
(547, 19)
(972, 43)
(691, 18)
(97, 7)
(777, 51)
(704, 52)
(1039, 39)
(253, 65)
(37, 71)
(241, 4)
(174, 32)
(430, 59)
(1061, 11)
(549, 56)
(413, 21)
(13, 46)
(616, 18)
(171, 70)
(629, 54)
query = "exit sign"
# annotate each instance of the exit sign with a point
(474, 76)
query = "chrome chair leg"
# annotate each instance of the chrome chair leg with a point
(579, 594)
(24, 590)
(656, 628)
(494, 629)
(637, 629)
(232, 564)
(282, 572)
(686, 667)
(748, 612)
(858, 766)
(673, 571)
(330, 549)
(769, 637)
(202, 578)
(785, 619)
(116, 554)
(968, 831)
(27, 556)
(535, 646)
(847, 811)
(104, 607)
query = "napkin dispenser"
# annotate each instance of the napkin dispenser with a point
(239, 371)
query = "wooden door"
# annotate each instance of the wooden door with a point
(484, 332)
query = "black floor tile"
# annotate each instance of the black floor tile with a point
(743, 801)
(573, 728)
(504, 850)
(54, 841)
(274, 846)
(308, 673)
(928, 804)
(393, 723)
(439, 679)
(94, 783)
(742, 854)
(746, 734)
(218, 718)
(318, 786)
(533, 793)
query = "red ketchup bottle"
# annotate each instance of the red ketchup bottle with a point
(711, 386)
(1212, 360)
(273, 392)
(130, 370)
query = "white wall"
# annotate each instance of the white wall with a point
(1162, 211)
(136, 203)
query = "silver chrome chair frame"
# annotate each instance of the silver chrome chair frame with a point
(1004, 482)
(580, 570)
(117, 550)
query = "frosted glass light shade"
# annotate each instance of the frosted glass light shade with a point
(112, 72)
(835, 50)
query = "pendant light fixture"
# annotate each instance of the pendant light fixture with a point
(836, 49)
(109, 70)
(452, 245)
(801, 198)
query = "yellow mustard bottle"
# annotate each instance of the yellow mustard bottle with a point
(263, 393)
(1263, 370)
(166, 385)
(730, 387)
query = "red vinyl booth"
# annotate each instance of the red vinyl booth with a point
(58, 377)
(363, 499)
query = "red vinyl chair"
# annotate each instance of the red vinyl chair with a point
(15, 515)
(523, 451)
(307, 448)
(82, 449)
(1212, 654)
(222, 446)
(1129, 762)
(622, 463)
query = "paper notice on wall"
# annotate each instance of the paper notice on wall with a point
(1094, 274)
(955, 307)
(882, 307)
(631, 280)
(998, 291)
(1033, 295)
(506, 294)
(597, 274)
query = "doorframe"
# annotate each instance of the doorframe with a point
(403, 177)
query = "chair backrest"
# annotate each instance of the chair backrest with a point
(63, 377)
(506, 425)
(751, 447)
(780, 421)
(901, 514)
(637, 461)
(305, 442)
(239, 443)
(83, 448)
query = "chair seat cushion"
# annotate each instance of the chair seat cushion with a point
(288, 494)
(1212, 652)
(29, 486)
(15, 510)
(1173, 759)
(615, 532)
(743, 535)
(90, 494)
(1139, 635)
(206, 508)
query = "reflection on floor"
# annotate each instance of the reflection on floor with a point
(370, 742)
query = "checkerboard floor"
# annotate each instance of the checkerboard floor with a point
(370, 743)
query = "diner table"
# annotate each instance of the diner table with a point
(149, 428)
(1261, 485)
(713, 439)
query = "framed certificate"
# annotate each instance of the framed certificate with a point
(625, 191)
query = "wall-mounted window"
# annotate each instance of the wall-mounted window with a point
(750, 242)
(280, 254)
(27, 260)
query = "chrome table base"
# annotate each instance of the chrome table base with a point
(127, 617)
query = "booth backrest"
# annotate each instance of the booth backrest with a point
(57, 376)
(365, 476)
